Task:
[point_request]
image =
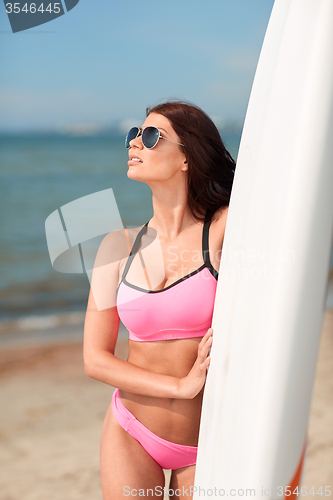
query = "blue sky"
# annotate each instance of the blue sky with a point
(106, 61)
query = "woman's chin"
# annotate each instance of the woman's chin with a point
(134, 175)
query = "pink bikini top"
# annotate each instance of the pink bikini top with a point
(182, 310)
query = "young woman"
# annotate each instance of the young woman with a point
(164, 294)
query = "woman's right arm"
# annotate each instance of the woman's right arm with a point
(102, 324)
(101, 333)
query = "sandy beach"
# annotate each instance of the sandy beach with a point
(52, 416)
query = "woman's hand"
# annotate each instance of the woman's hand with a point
(191, 385)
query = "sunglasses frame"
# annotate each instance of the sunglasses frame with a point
(141, 131)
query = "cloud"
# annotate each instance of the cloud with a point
(240, 61)
(24, 103)
(31, 108)
(230, 98)
(79, 129)
(126, 124)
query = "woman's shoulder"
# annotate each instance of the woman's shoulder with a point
(119, 235)
(218, 224)
(121, 238)
(220, 216)
(116, 245)
(217, 230)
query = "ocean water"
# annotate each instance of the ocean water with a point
(39, 174)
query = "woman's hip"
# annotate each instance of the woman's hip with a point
(175, 420)
(168, 454)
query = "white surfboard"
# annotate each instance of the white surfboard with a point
(273, 276)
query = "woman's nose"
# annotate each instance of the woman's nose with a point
(136, 143)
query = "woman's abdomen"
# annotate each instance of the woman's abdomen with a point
(176, 420)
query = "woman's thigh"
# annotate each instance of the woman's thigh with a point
(181, 482)
(125, 464)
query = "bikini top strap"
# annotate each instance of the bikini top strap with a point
(205, 248)
(134, 250)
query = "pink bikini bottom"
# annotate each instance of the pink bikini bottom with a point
(168, 455)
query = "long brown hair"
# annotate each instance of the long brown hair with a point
(210, 166)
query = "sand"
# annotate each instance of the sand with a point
(52, 414)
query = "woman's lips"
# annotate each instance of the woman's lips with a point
(134, 162)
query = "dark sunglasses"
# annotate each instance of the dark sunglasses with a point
(150, 137)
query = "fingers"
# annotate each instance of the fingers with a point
(207, 335)
(205, 364)
(207, 338)
(204, 349)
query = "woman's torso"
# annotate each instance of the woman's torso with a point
(183, 292)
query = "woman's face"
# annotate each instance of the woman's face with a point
(163, 162)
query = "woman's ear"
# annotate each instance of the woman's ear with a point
(185, 166)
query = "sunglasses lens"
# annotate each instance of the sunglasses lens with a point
(132, 134)
(150, 137)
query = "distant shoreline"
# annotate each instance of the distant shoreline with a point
(65, 326)
(33, 331)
